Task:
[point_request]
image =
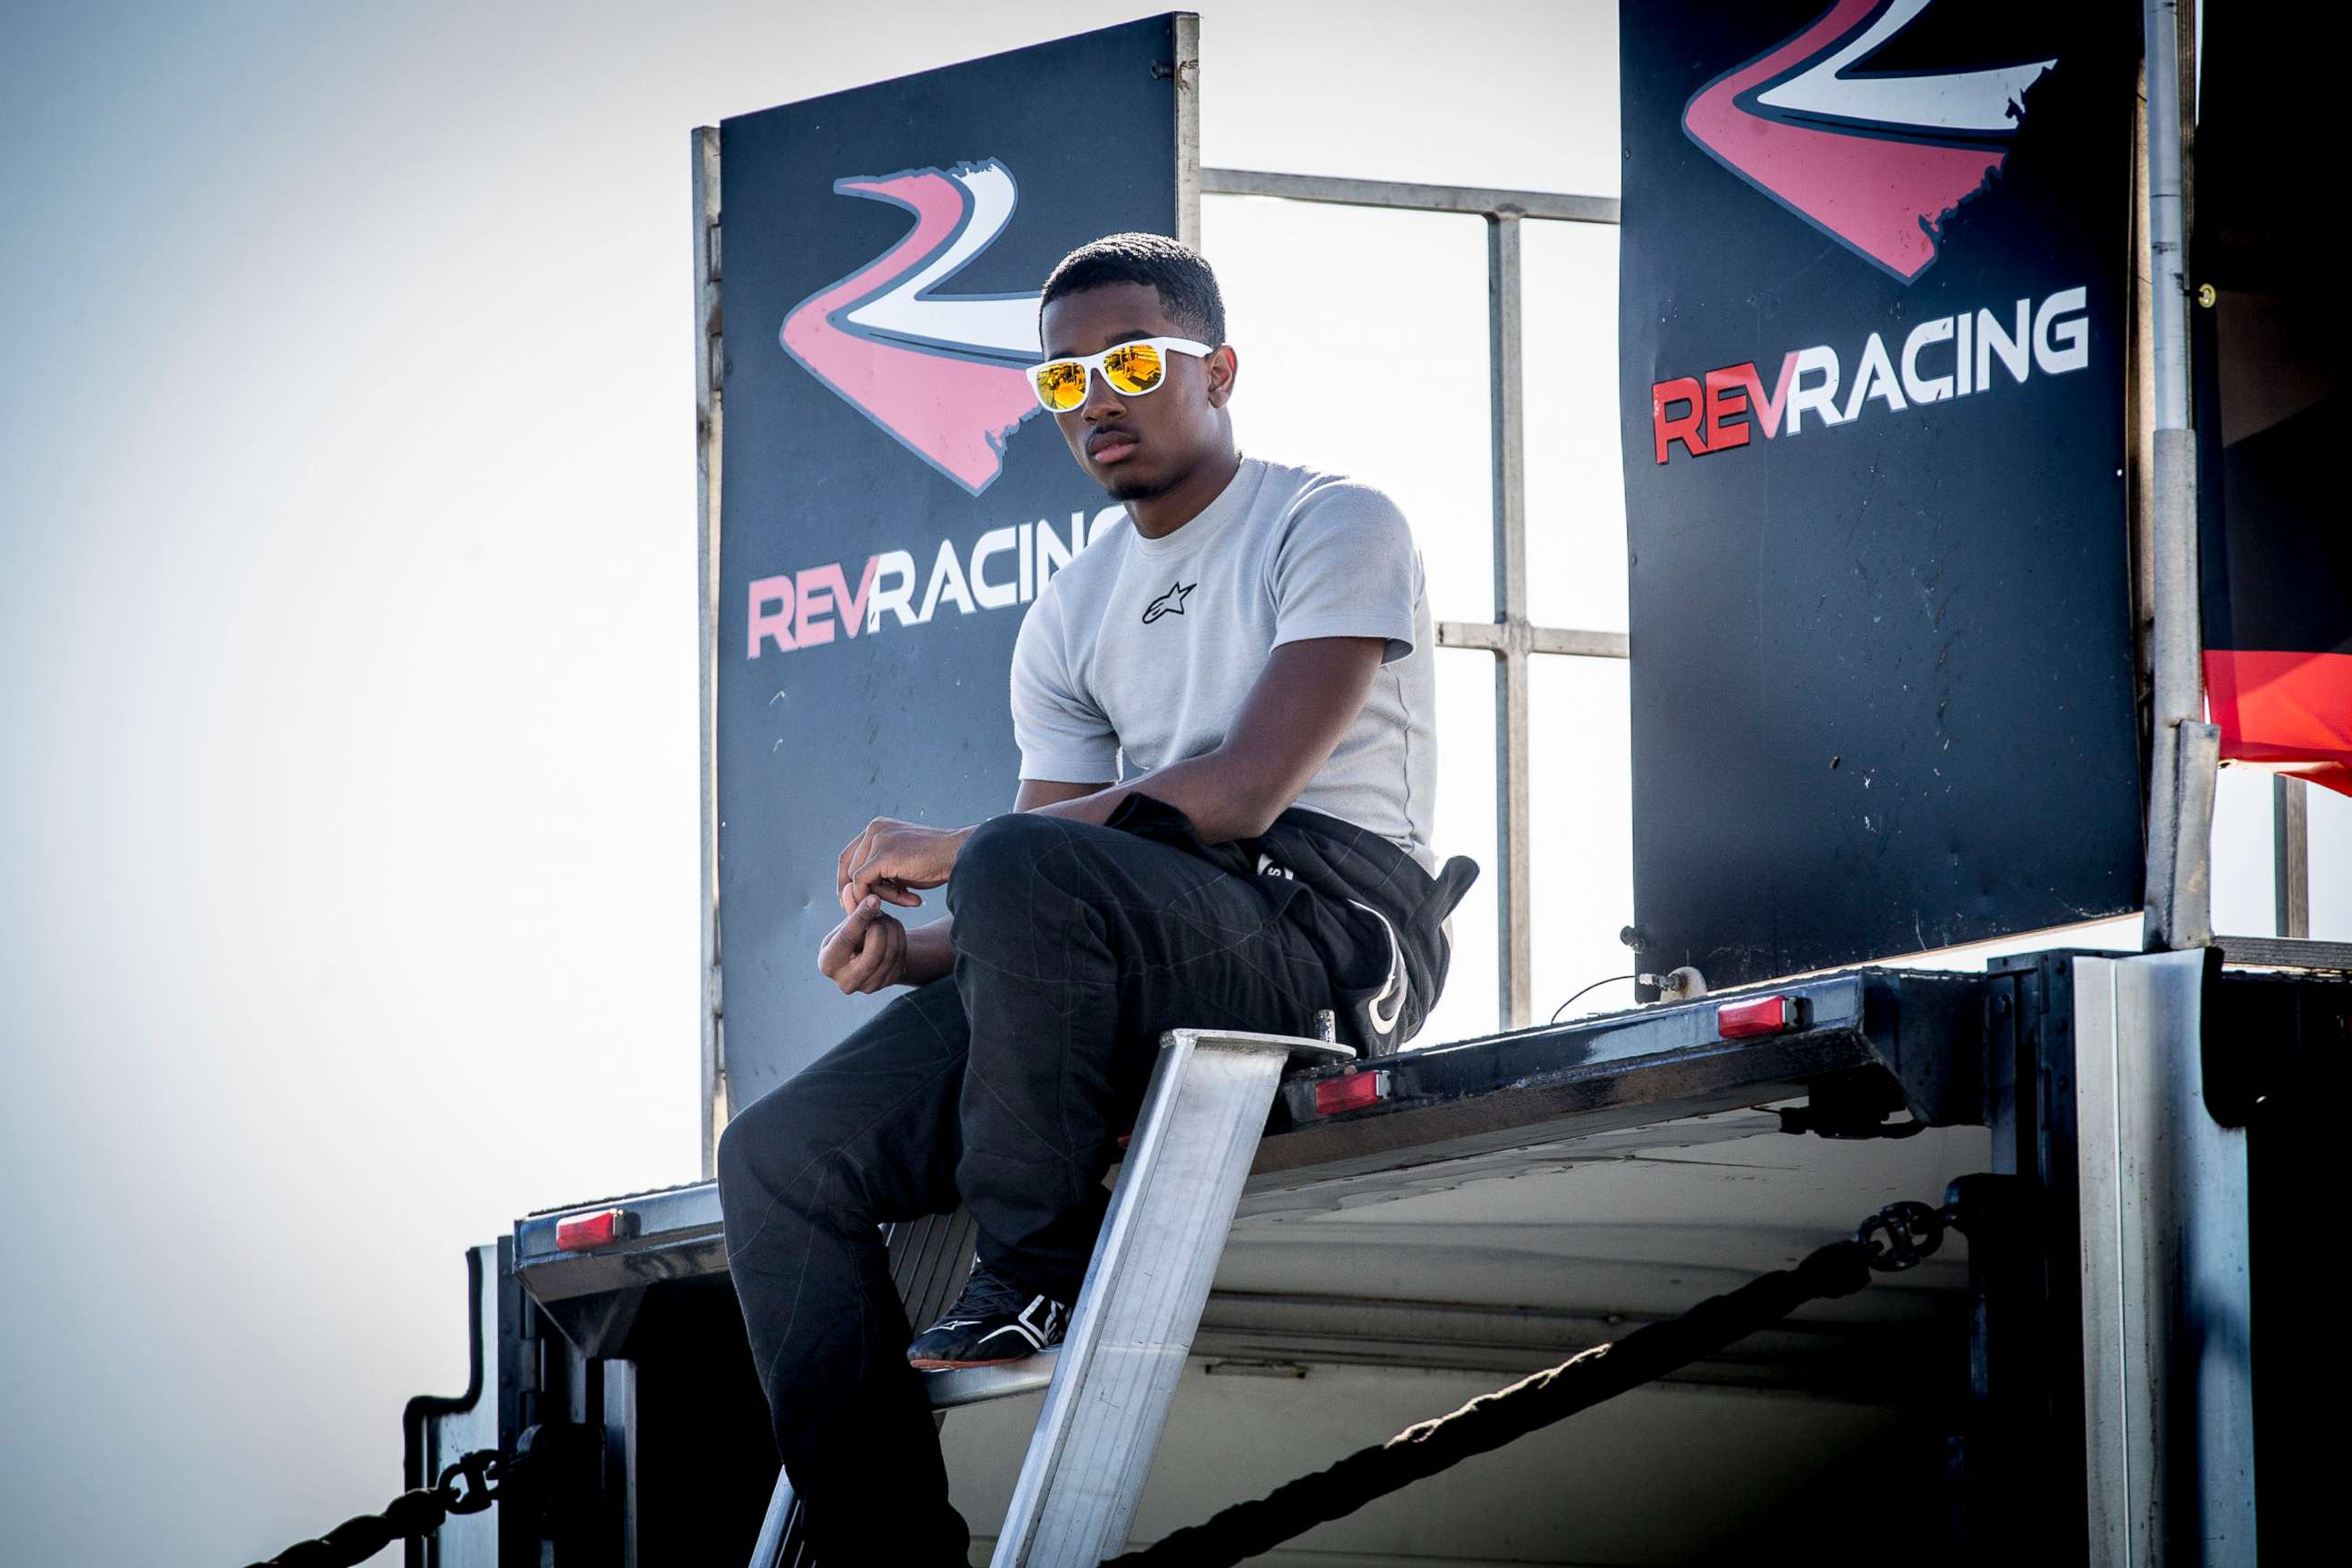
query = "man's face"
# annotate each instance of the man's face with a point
(1136, 446)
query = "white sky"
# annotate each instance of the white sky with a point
(348, 821)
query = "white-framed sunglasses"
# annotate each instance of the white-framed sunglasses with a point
(1133, 368)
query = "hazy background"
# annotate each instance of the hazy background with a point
(347, 647)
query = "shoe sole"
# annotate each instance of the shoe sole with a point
(931, 1363)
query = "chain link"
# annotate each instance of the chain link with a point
(1901, 1235)
(483, 1469)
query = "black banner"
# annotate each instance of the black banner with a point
(1873, 334)
(893, 496)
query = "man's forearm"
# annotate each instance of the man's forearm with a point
(1222, 798)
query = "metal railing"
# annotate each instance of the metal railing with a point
(1510, 638)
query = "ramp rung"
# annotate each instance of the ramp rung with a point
(977, 1384)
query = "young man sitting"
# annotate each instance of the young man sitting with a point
(1224, 710)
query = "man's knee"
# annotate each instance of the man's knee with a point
(734, 1159)
(1010, 862)
(770, 1148)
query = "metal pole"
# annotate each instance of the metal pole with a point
(2291, 856)
(1509, 460)
(2165, 1254)
(2178, 839)
(1188, 130)
(709, 378)
(1485, 201)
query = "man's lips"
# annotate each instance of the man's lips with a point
(1109, 446)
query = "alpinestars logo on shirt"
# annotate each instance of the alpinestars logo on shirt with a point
(1170, 602)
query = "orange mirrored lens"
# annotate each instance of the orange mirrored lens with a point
(1133, 367)
(1062, 386)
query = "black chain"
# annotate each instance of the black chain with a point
(1898, 1237)
(483, 1472)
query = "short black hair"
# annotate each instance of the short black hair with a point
(1187, 288)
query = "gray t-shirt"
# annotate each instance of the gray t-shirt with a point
(1146, 647)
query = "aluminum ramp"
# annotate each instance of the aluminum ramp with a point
(1109, 1384)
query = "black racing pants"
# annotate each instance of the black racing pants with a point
(1006, 1087)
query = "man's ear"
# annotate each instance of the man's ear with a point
(1225, 366)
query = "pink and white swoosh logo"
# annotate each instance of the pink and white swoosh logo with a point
(1873, 160)
(940, 373)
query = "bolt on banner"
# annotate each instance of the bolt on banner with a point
(894, 495)
(1873, 328)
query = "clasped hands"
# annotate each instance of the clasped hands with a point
(883, 865)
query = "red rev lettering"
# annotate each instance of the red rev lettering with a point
(1726, 413)
(765, 622)
(1727, 399)
(800, 609)
(1683, 427)
(824, 592)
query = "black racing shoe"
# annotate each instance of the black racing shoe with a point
(993, 1321)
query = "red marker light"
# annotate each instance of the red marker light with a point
(1763, 1015)
(583, 1231)
(1351, 1092)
